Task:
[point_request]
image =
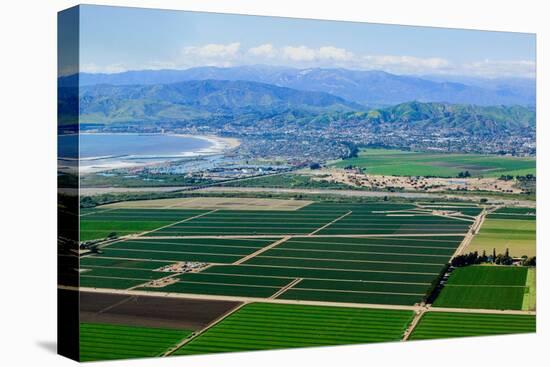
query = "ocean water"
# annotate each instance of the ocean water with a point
(134, 145)
(110, 150)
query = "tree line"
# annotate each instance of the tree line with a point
(474, 258)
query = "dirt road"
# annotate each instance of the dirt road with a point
(415, 308)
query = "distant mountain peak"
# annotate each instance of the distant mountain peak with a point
(370, 87)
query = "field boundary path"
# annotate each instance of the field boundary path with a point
(131, 236)
(175, 223)
(263, 249)
(412, 325)
(286, 287)
(202, 331)
(238, 298)
(293, 302)
(330, 223)
(121, 302)
(231, 236)
(474, 229)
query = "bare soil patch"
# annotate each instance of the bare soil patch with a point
(150, 311)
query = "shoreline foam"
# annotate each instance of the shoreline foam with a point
(218, 145)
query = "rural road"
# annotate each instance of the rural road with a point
(295, 302)
(89, 191)
(149, 237)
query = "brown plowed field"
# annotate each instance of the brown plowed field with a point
(150, 311)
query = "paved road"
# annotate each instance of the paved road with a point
(90, 191)
(352, 193)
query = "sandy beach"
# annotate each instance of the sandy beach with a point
(217, 145)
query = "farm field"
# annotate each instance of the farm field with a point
(391, 162)
(388, 270)
(99, 272)
(437, 325)
(211, 203)
(514, 213)
(96, 224)
(129, 263)
(516, 235)
(530, 295)
(319, 218)
(485, 287)
(100, 307)
(317, 252)
(107, 341)
(262, 326)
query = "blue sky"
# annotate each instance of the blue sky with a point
(117, 39)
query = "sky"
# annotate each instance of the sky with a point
(116, 39)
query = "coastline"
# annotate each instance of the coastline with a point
(217, 145)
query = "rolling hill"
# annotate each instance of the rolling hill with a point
(199, 99)
(476, 120)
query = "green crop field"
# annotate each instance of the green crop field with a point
(516, 210)
(514, 213)
(341, 253)
(406, 163)
(385, 270)
(530, 296)
(96, 224)
(261, 326)
(100, 272)
(437, 325)
(111, 269)
(489, 275)
(516, 235)
(107, 341)
(485, 287)
(318, 255)
(182, 249)
(332, 219)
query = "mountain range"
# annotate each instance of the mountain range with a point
(213, 103)
(369, 88)
(200, 99)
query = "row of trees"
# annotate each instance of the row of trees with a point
(473, 258)
(464, 174)
(528, 177)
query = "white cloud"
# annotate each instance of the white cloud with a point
(107, 69)
(321, 54)
(265, 50)
(334, 53)
(405, 64)
(300, 53)
(213, 50)
(500, 68)
(327, 56)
